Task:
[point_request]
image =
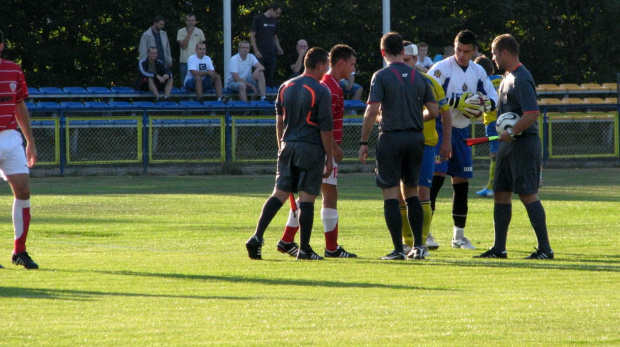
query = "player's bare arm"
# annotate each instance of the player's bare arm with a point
(372, 110)
(23, 119)
(445, 150)
(279, 130)
(327, 138)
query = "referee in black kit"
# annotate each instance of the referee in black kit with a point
(305, 136)
(399, 92)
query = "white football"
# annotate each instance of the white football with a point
(506, 121)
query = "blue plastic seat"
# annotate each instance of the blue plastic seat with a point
(144, 104)
(100, 90)
(75, 90)
(121, 104)
(168, 104)
(190, 103)
(34, 91)
(237, 104)
(32, 106)
(96, 104)
(50, 105)
(73, 105)
(52, 90)
(123, 90)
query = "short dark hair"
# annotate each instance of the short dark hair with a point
(508, 43)
(486, 63)
(392, 43)
(466, 37)
(1, 37)
(190, 14)
(275, 6)
(340, 52)
(314, 57)
(158, 19)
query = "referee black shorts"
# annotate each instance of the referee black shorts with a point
(517, 168)
(399, 156)
(300, 167)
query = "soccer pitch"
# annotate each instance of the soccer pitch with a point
(161, 261)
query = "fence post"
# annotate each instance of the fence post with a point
(145, 141)
(63, 145)
(545, 133)
(228, 135)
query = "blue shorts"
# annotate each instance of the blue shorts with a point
(460, 165)
(190, 84)
(491, 131)
(349, 92)
(428, 166)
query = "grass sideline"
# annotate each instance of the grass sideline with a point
(161, 261)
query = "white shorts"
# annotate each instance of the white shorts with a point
(333, 177)
(12, 155)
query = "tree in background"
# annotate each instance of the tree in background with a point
(87, 43)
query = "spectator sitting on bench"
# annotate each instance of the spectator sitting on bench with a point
(155, 75)
(240, 75)
(201, 74)
(350, 88)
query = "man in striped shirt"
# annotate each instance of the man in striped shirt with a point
(15, 164)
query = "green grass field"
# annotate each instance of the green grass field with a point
(161, 261)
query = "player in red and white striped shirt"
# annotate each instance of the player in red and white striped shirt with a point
(14, 163)
(342, 63)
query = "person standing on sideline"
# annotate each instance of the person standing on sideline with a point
(461, 78)
(187, 38)
(304, 130)
(490, 119)
(400, 93)
(264, 38)
(431, 139)
(341, 62)
(155, 36)
(14, 163)
(519, 154)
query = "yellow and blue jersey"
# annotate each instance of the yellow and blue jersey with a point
(430, 132)
(491, 116)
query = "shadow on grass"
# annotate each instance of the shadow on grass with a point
(268, 281)
(532, 264)
(85, 295)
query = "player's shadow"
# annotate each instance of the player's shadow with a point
(269, 280)
(86, 295)
(580, 265)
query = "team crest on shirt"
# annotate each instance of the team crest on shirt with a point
(464, 87)
(437, 73)
(13, 86)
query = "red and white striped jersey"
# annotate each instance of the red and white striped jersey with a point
(337, 104)
(13, 90)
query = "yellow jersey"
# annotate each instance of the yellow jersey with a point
(430, 133)
(491, 116)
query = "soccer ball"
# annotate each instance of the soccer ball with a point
(506, 121)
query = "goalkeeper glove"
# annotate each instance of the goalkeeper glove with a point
(469, 104)
(489, 104)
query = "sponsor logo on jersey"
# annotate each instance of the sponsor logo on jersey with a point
(464, 87)
(13, 86)
(468, 169)
(437, 73)
(405, 75)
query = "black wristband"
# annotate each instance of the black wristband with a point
(363, 143)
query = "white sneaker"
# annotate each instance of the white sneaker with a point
(430, 242)
(406, 248)
(462, 243)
